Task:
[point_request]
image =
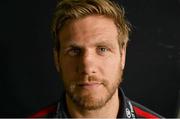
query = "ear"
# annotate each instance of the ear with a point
(123, 56)
(56, 59)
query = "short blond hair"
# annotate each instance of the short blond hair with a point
(75, 9)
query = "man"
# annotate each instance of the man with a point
(90, 48)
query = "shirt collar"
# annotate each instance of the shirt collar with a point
(126, 109)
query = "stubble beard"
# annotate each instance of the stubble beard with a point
(89, 101)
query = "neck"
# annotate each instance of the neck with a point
(109, 110)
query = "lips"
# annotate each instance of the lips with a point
(89, 84)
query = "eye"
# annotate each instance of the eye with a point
(102, 50)
(74, 52)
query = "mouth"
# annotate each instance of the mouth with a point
(90, 85)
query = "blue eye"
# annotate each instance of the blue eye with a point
(74, 52)
(102, 50)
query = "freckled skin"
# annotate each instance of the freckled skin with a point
(90, 61)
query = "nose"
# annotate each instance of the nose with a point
(87, 63)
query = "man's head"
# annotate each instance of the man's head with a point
(90, 46)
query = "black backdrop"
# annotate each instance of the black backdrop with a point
(28, 78)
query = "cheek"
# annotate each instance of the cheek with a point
(111, 66)
(68, 69)
(111, 71)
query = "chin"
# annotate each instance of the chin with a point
(90, 99)
(91, 102)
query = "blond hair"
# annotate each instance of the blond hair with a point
(76, 9)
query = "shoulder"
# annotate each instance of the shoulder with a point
(143, 112)
(44, 112)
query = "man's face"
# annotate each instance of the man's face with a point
(90, 61)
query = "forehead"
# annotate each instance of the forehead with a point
(88, 29)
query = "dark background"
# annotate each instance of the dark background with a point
(28, 78)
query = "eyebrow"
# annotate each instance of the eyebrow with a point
(98, 43)
(71, 44)
(106, 43)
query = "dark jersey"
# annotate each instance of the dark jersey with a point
(128, 109)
